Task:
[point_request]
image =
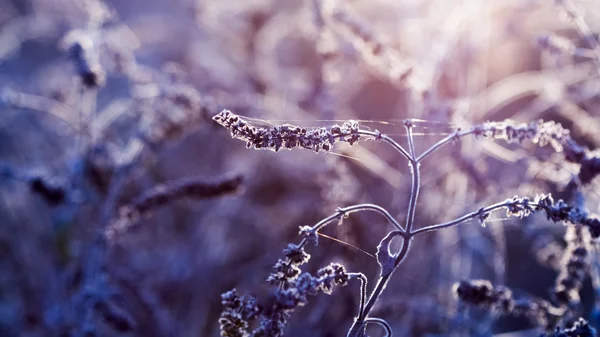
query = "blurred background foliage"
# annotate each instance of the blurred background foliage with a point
(160, 69)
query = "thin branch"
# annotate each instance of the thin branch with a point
(341, 212)
(359, 324)
(363, 290)
(411, 143)
(379, 287)
(441, 143)
(481, 214)
(558, 211)
(385, 278)
(539, 132)
(416, 180)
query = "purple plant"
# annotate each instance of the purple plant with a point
(106, 105)
(289, 277)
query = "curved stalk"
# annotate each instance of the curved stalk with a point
(464, 218)
(343, 211)
(359, 323)
(363, 290)
(416, 180)
(382, 323)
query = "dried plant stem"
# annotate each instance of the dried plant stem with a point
(321, 139)
(466, 217)
(439, 144)
(382, 282)
(359, 325)
(357, 329)
(522, 207)
(379, 287)
(363, 290)
(416, 181)
(85, 300)
(345, 211)
(538, 132)
(451, 137)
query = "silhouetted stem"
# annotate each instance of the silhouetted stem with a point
(464, 218)
(363, 290)
(416, 182)
(360, 322)
(343, 211)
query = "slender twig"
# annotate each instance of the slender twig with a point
(457, 134)
(341, 212)
(416, 179)
(381, 284)
(411, 143)
(363, 290)
(466, 217)
(360, 322)
(539, 132)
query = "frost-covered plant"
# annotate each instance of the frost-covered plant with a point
(584, 228)
(90, 97)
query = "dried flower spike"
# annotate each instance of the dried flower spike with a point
(575, 267)
(287, 136)
(237, 314)
(539, 132)
(481, 293)
(192, 188)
